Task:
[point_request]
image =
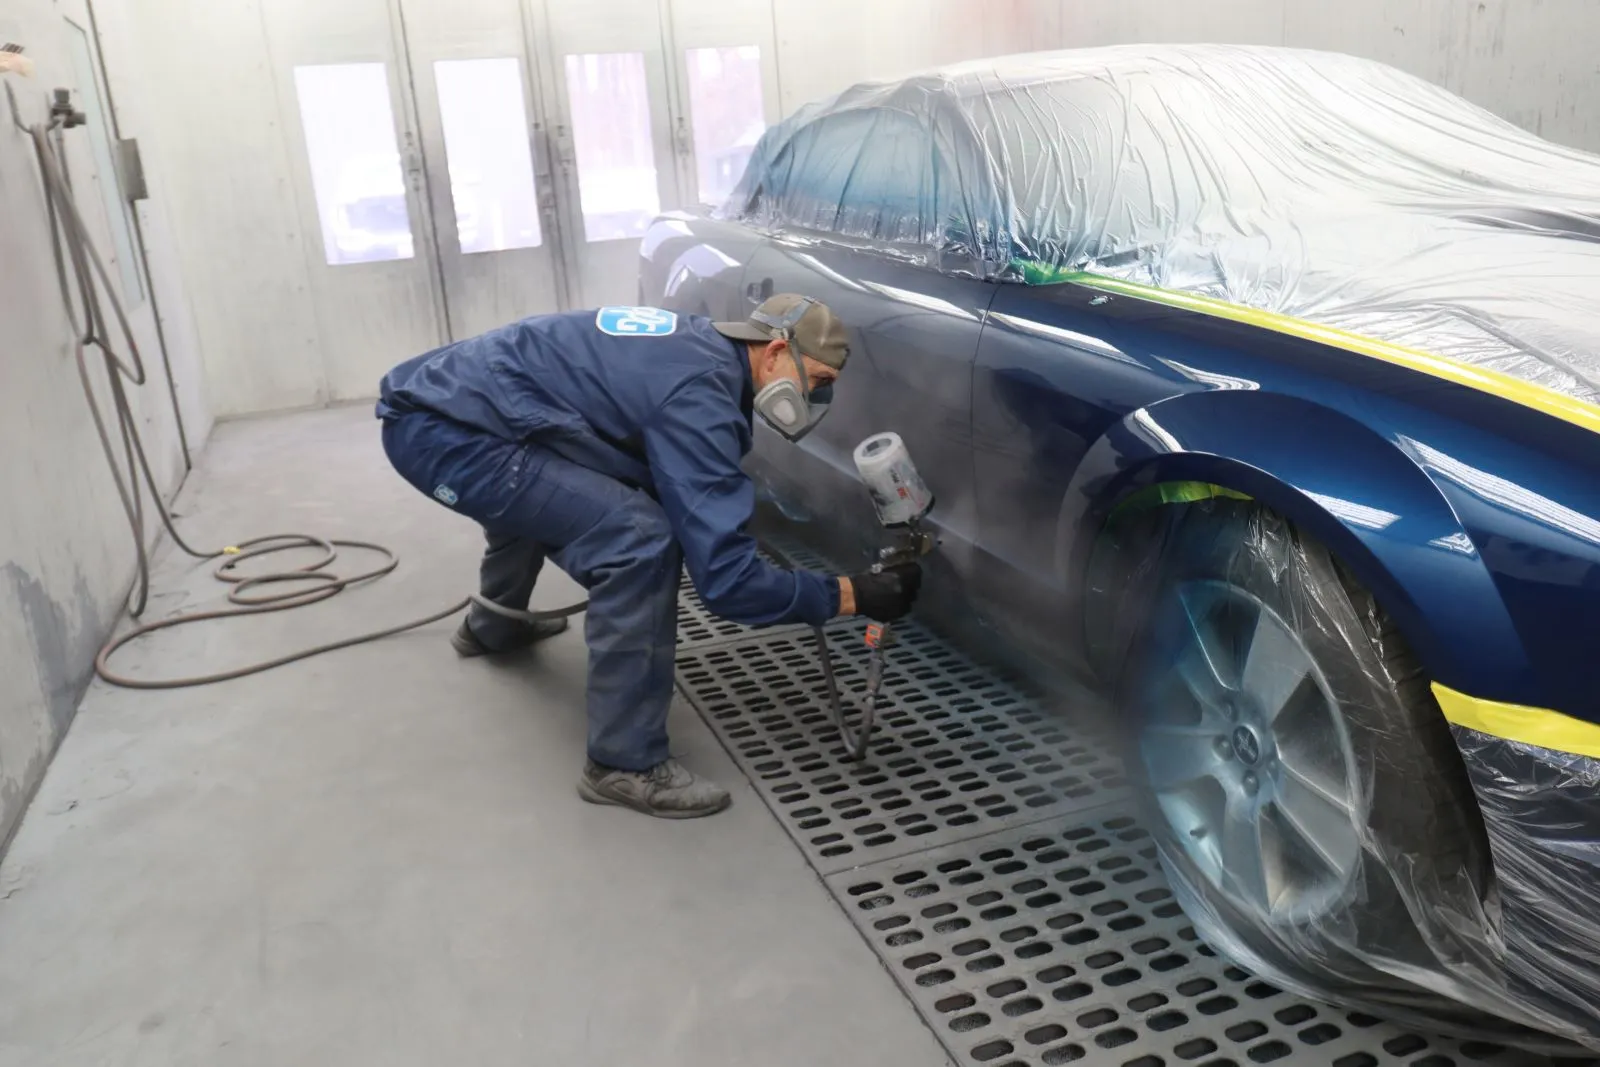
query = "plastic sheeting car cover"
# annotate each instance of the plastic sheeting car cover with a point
(1314, 815)
(1319, 186)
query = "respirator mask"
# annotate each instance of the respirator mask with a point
(789, 405)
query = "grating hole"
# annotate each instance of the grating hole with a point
(939, 977)
(1052, 975)
(1006, 988)
(1481, 1050)
(1404, 1045)
(1294, 1014)
(1120, 977)
(1114, 1038)
(1216, 1005)
(1195, 986)
(891, 922)
(921, 959)
(964, 1023)
(1194, 1048)
(991, 1050)
(984, 963)
(955, 1002)
(1166, 1020)
(1322, 1033)
(1357, 1059)
(1247, 1031)
(1261, 990)
(1063, 1054)
(967, 948)
(1146, 1001)
(1268, 1051)
(1043, 1035)
(904, 937)
(1146, 1061)
(1099, 1017)
(1072, 991)
(1435, 1060)
(1022, 1006)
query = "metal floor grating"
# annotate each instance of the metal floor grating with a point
(1060, 941)
(958, 752)
(697, 627)
(987, 852)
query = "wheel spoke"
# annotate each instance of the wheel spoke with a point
(1243, 852)
(1199, 677)
(1323, 823)
(1199, 606)
(1175, 756)
(1275, 667)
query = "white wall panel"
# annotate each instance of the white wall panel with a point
(204, 68)
(1533, 62)
(1530, 61)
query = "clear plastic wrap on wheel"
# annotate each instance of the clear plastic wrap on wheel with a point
(1317, 819)
(1319, 186)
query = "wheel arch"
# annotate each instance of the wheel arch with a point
(1336, 479)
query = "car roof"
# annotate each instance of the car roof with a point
(1312, 184)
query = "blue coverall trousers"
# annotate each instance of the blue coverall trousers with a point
(612, 539)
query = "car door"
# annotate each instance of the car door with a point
(914, 337)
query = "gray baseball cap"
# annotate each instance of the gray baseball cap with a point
(809, 325)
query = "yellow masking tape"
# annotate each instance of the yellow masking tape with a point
(1513, 722)
(1540, 398)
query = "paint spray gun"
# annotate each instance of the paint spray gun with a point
(902, 500)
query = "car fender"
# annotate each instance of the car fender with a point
(1334, 478)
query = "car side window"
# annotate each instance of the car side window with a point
(871, 174)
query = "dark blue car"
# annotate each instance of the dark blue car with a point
(1261, 387)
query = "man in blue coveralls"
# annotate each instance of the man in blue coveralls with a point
(609, 441)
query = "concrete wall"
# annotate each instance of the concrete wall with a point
(66, 554)
(1533, 62)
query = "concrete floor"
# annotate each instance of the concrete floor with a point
(377, 856)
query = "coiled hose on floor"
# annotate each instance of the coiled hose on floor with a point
(74, 253)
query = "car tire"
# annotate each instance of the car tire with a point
(1337, 911)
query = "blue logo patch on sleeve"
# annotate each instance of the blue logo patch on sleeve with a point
(635, 322)
(446, 495)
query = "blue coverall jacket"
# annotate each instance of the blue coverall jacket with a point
(655, 400)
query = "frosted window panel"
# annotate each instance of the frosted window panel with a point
(355, 162)
(610, 101)
(486, 146)
(726, 108)
(119, 213)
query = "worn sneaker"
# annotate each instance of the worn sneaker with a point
(668, 790)
(466, 643)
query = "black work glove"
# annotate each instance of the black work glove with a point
(888, 594)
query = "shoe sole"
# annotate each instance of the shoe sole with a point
(594, 796)
(470, 648)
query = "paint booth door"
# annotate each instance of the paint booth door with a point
(480, 107)
(658, 106)
(360, 189)
(470, 162)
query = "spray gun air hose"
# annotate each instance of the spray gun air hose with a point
(77, 265)
(902, 500)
